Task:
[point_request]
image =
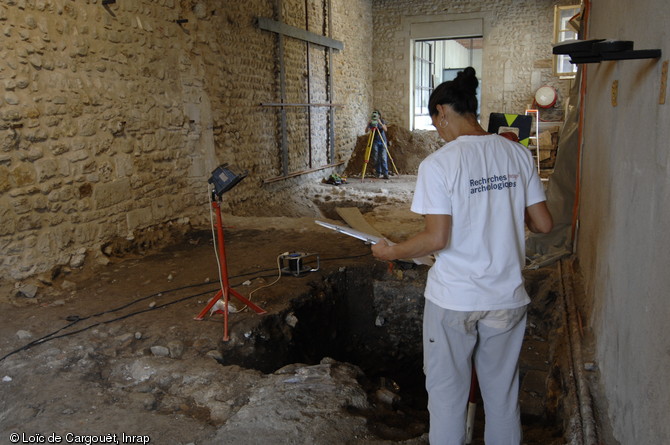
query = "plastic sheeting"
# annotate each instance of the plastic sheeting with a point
(544, 249)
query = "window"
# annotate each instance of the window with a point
(436, 61)
(423, 82)
(565, 28)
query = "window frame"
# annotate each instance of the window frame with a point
(423, 78)
(564, 32)
(423, 86)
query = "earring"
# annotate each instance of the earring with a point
(443, 123)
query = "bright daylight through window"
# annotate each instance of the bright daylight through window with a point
(436, 61)
(565, 28)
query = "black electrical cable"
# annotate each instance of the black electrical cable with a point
(53, 336)
(76, 319)
(346, 257)
(67, 334)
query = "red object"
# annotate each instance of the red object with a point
(227, 290)
(509, 135)
(546, 97)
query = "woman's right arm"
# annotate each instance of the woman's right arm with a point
(538, 218)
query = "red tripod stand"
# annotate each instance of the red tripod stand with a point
(226, 290)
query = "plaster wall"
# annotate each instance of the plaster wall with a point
(623, 246)
(517, 57)
(112, 117)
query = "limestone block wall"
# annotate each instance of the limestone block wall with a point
(517, 53)
(113, 116)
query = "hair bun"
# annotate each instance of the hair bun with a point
(460, 93)
(467, 79)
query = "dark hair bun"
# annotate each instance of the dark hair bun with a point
(460, 93)
(467, 80)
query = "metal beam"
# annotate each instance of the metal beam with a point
(282, 104)
(329, 80)
(297, 33)
(301, 172)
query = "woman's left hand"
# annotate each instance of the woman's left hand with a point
(382, 250)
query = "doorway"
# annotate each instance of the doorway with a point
(436, 61)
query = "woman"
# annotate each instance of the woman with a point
(475, 192)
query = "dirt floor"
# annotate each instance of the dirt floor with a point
(126, 309)
(115, 348)
(63, 351)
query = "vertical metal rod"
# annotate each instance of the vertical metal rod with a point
(329, 81)
(309, 94)
(282, 93)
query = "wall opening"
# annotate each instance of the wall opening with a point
(435, 46)
(437, 61)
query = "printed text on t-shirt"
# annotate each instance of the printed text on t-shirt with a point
(495, 182)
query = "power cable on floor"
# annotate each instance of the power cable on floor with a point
(74, 319)
(267, 285)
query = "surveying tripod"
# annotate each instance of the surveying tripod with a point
(368, 150)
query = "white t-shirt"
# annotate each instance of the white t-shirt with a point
(485, 183)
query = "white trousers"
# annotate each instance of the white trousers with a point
(452, 342)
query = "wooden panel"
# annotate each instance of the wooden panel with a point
(356, 220)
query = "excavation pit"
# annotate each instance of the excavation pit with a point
(371, 317)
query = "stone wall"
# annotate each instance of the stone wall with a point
(517, 53)
(113, 116)
(623, 247)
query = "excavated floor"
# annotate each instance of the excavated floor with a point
(102, 349)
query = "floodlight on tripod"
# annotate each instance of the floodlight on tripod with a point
(223, 179)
